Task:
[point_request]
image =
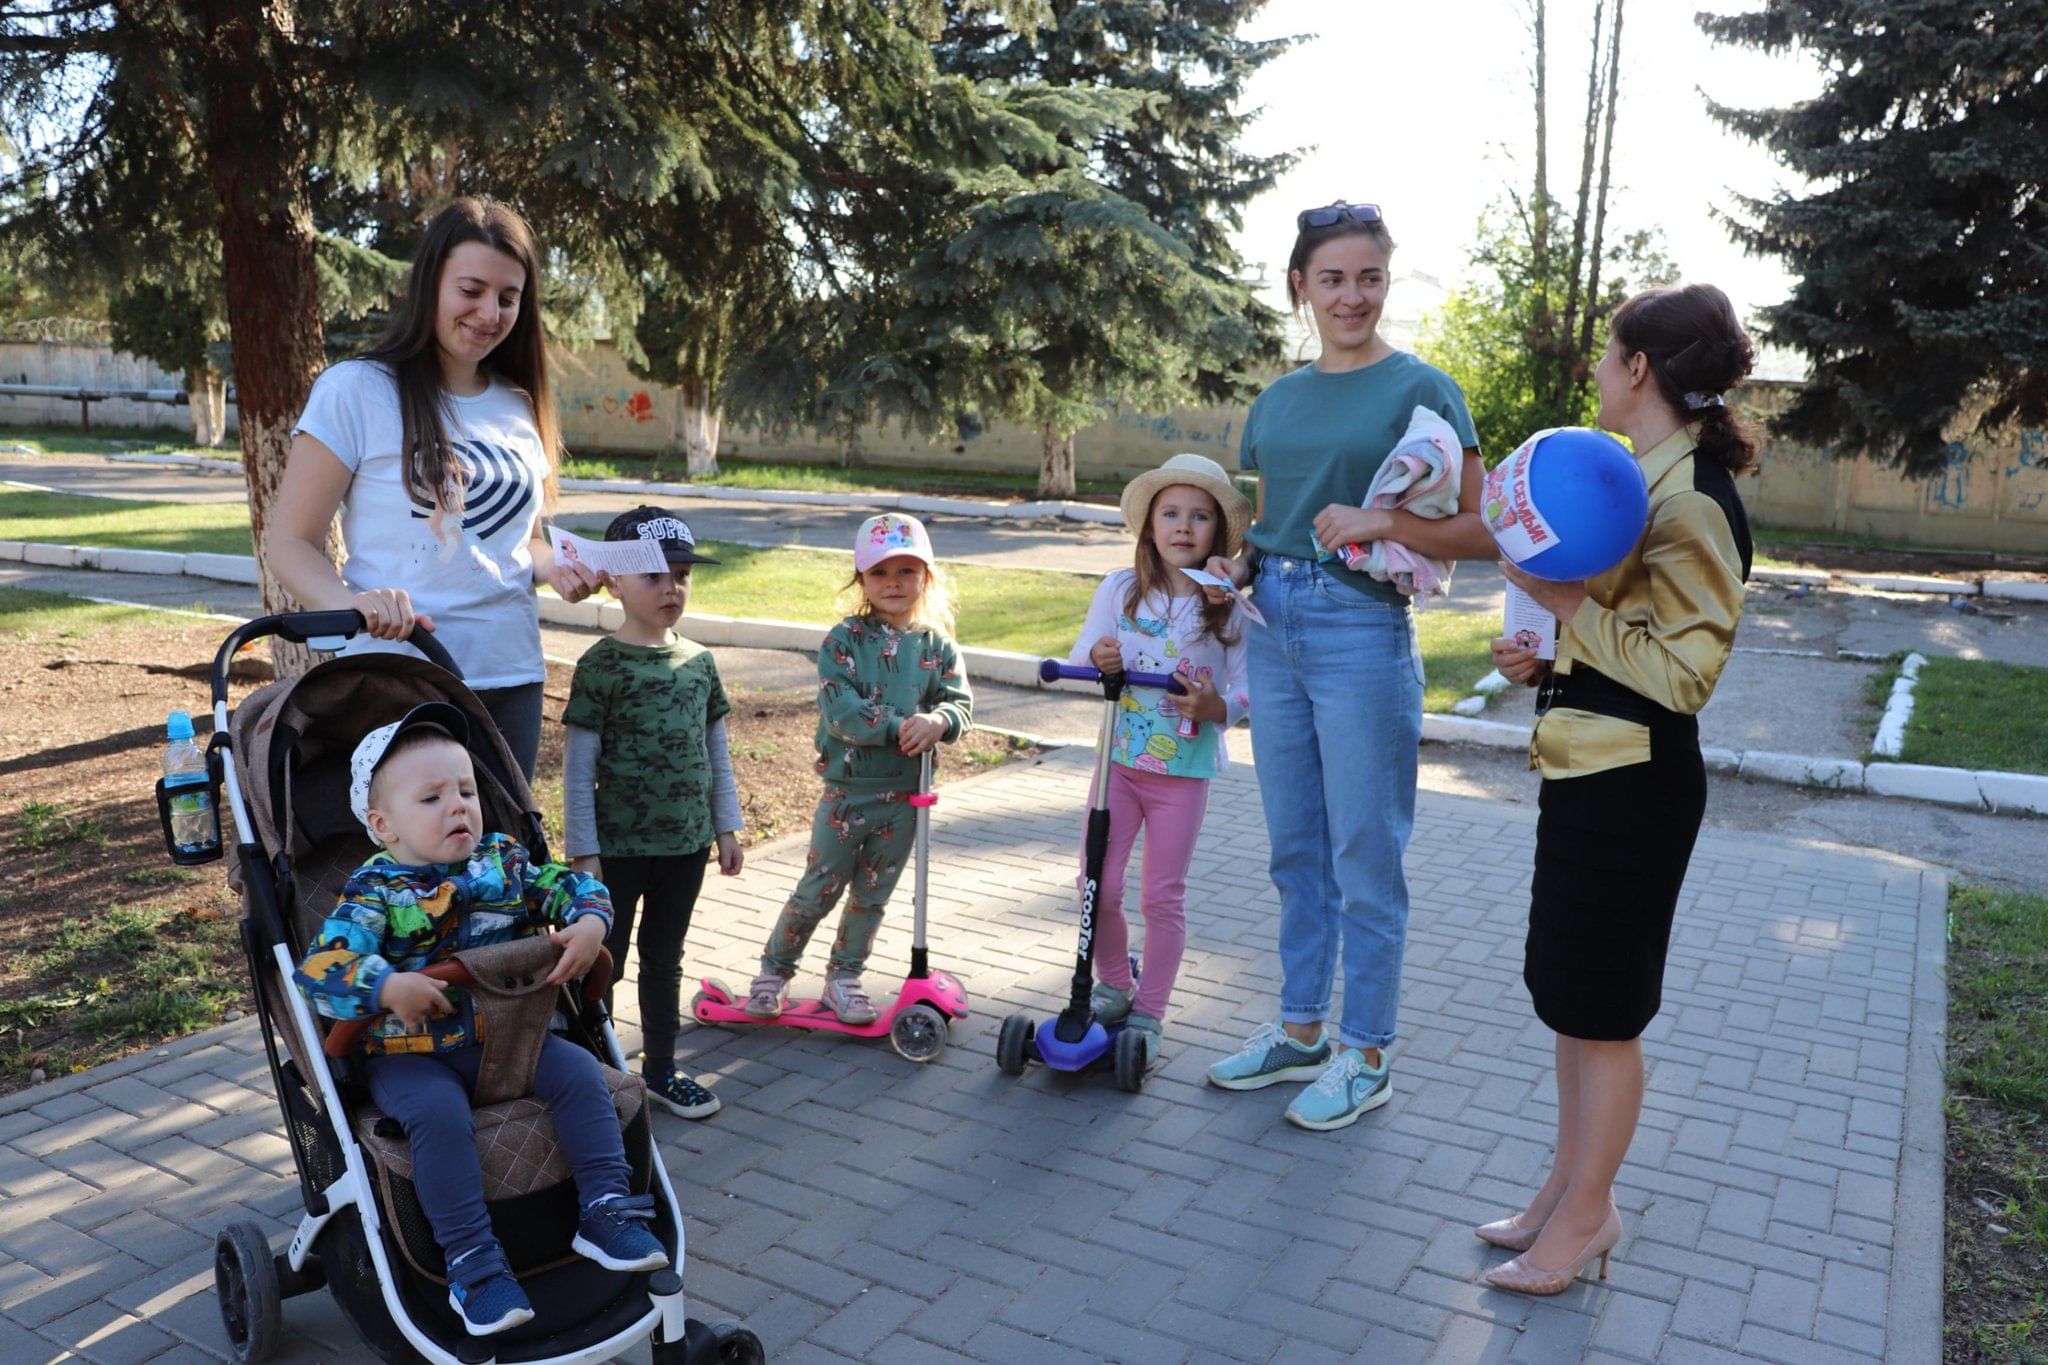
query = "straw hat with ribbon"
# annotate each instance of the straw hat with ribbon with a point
(1197, 471)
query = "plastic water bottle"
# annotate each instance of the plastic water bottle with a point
(195, 828)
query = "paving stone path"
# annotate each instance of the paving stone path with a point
(1783, 1198)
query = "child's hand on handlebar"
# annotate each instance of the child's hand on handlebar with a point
(579, 943)
(918, 733)
(388, 614)
(414, 998)
(1107, 655)
(1202, 701)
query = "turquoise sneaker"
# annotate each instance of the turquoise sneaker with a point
(1108, 1004)
(1149, 1029)
(1346, 1089)
(1269, 1057)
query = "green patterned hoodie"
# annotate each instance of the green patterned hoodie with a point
(871, 677)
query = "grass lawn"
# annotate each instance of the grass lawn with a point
(62, 440)
(822, 478)
(179, 527)
(1997, 1176)
(1969, 713)
(1457, 651)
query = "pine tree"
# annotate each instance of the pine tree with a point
(1921, 246)
(1099, 270)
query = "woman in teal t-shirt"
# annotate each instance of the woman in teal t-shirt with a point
(1335, 673)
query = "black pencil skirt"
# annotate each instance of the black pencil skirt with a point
(1611, 853)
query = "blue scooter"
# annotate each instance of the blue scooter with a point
(1075, 1040)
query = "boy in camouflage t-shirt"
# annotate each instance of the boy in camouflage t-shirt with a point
(648, 788)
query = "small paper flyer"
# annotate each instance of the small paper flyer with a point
(1209, 580)
(1529, 625)
(609, 556)
(1520, 530)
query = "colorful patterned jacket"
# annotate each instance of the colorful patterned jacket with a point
(394, 918)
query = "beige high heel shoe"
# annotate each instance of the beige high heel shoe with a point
(1520, 1276)
(1509, 1234)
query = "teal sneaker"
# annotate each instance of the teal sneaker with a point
(1149, 1029)
(1269, 1057)
(1108, 1004)
(1346, 1089)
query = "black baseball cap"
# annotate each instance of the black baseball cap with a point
(663, 527)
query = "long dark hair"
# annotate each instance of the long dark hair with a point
(1697, 352)
(410, 350)
(1150, 574)
(1309, 238)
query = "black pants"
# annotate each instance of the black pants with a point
(516, 713)
(664, 890)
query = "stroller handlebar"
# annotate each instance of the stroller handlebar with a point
(1051, 670)
(301, 626)
(347, 1035)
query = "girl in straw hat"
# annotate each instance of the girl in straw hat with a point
(1152, 618)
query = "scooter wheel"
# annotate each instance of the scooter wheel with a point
(1010, 1044)
(1130, 1060)
(715, 992)
(919, 1034)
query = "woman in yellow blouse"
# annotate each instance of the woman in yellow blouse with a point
(1638, 652)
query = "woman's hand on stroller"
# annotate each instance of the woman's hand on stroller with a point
(580, 944)
(1107, 655)
(414, 999)
(388, 614)
(919, 733)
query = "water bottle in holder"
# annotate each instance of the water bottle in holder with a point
(185, 798)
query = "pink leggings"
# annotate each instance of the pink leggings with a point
(1170, 811)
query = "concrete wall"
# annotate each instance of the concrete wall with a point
(87, 365)
(1992, 495)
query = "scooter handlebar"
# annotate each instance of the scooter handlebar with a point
(1051, 670)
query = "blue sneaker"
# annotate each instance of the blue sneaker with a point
(1346, 1089)
(482, 1291)
(1269, 1057)
(612, 1234)
(680, 1094)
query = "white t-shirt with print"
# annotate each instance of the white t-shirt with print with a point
(1166, 636)
(475, 577)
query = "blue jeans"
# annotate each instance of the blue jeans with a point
(429, 1096)
(1336, 684)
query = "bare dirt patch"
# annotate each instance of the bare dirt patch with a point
(105, 947)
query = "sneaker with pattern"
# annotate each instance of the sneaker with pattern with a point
(1346, 1089)
(1270, 1057)
(680, 1094)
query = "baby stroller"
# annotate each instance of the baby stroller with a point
(283, 762)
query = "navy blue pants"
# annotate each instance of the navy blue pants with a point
(429, 1096)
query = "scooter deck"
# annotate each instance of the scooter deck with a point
(941, 990)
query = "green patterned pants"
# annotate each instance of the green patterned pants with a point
(859, 844)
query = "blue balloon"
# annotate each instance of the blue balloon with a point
(1575, 510)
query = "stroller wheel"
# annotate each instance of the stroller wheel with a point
(736, 1345)
(1010, 1044)
(919, 1033)
(1130, 1060)
(245, 1282)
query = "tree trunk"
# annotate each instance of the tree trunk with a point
(197, 400)
(698, 426)
(1055, 463)
(1539, 203)
(1569, 353)
(1585, 368)
(217, 403)
(255, 150)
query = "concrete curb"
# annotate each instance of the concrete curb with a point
(1914, 1319)
(1998, 792)
(1898, 709)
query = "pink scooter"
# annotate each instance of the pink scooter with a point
(917, 1023)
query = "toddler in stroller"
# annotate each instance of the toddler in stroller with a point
(575, 1221)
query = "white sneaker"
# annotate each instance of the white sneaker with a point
(847, 998)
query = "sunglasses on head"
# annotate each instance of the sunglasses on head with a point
(1332, 214)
